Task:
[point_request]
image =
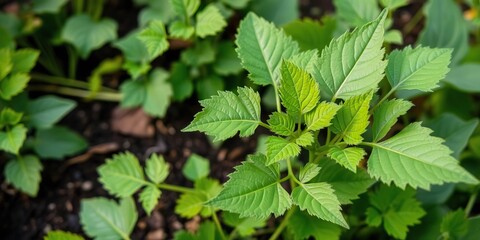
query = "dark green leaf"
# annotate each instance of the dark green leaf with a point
(58, 142)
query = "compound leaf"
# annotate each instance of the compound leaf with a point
(209, 21)
(149, 197)
(348, 157)
(185, 8)
(279, 149)
(309, 171)
(24, 173)
(385, 116)
(305, 139)
(155, 38)
(157, 169)
(321, 116)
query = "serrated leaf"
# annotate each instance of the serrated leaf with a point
(281, 123)
(193, 203)
(305, 60)
(86, 35)
(321, 116)
(24, 60)
(121, 175)
(61, 235)
(261, 48)
(385, 116)
(11, 140)
(305, 139)
(196, 167)
(279, 149)
(352, 64)
(135, 70)
(254, 197)
(24, 173)
(149, 197)
(348, 157)
(352, 119)
(311, 34)
(420, 68)
(208, 188)
(244, 226)
(356, 13)
(6, 67)
(226, 114)
(397, 209)
(454, 225)
(415, 158)
(105, 219)
(181, 30)
(209, 21)
(157, 169)
(319, 200)
(58, 142)
(155, 38)
(309, 171)
(185, 8)
(227, 61)
(133, 48)
(304, 226)
(45, 111)
(13, 84)
(298, 91)
(8, 117)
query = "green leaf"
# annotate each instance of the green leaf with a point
(185, 8)
(12, 139)
(454, 225)
(397, 209)
(319, 200)
(45, 111)
(309, 171)
(86, 35)
(279, 149)
(311, 34)
(157, 169)
(207, 230)
(347, 185)
(209, 86)
(304, 226)
(106, 66)
(157, 93)
(283, 13)
(321, 116)
(208, 188)
(281, 124)
(445, 27)
(419, 68)
(13, 85)
(48, 6)
(24, 60)
(244, 226)
(236, 4)
(465, 77)
(261, 48)
(9, 117)
(352, 119)
(305, 139)
(200, 54)
(6, 66)
(393, 36)
(155, 38)
(182, 85)
(415, 158)
(209, 22)
(121, 175)
(196, 167)
(133, 48)
(191, 204)
(473, 232)
(135, 70)
(352, 64)
(227, 61)
(61, 235)
(58, 142)
(181, 30)
(259, 196)
(385, 116)
(348, 157)
(305, 60)
(225, 114)
(393, 4)
(24, 173)
(298, 91)
(149, 197)
(156, 10)
(356, 13)
(105, 219)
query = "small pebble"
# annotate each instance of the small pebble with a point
(156, 235)
(87, 186)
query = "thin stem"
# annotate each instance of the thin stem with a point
(105, 96)
(470, 203)
(264, 125)
(176, 188)
(329, 136)
(219, 226)
(66, 82)
(78, 6)
(277, 98)
(413, 22)
(383, 99)
(293, 179)
(72, 62)
(283, 224)
(97, 11)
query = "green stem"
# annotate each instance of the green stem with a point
(283, 224)
(66, 82)
(277, 98)
(291, 175)
(383, 99)
(264, 125)
(98, 9)
(104, 96)
(175, 188)
(72, 62)
(470, 203)
(78, 6)
(219, 226)
(413, 22)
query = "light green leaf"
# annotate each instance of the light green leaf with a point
(279, 149)
(259, 196)
(155, 38)
(305, 139)
(135, 70)
(393, 4)
(283, 13)
(13, 85)
(121, 175)
(181, 30)
(352, 119)
(352, 64)
(348, 157)
(196, 167)
(209, 21)
(185, 8)
(181, 81)
(12, 139)
(445, 27)
(321, 116)
(86, 35)
(397, 209)
(45, 111)
(48, 6)
(244, 226)
(454, 225)
(465, 77)
(208, 188)
(304, 226)
(227, 61)
(58, 142)
(24, 60)
(61, 235)
(309, 171)
(261, 48)
(385, 116)
(356, 13)
(157, 93)
(149, 197)
(157, 169)
(24, 173)
(236, 4)
(9, 117)
(319, 200)
(95, 80)
(105, 219)
(298, 91)
(225, 114)
(189, 205)
(305, 60)
(6, 66)
(281, 124)
(420, 68)
(133, 48)
(393, 36)
(311, 34)
(415, 158)
(202, 53)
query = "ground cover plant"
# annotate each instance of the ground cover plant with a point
(360, 125)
